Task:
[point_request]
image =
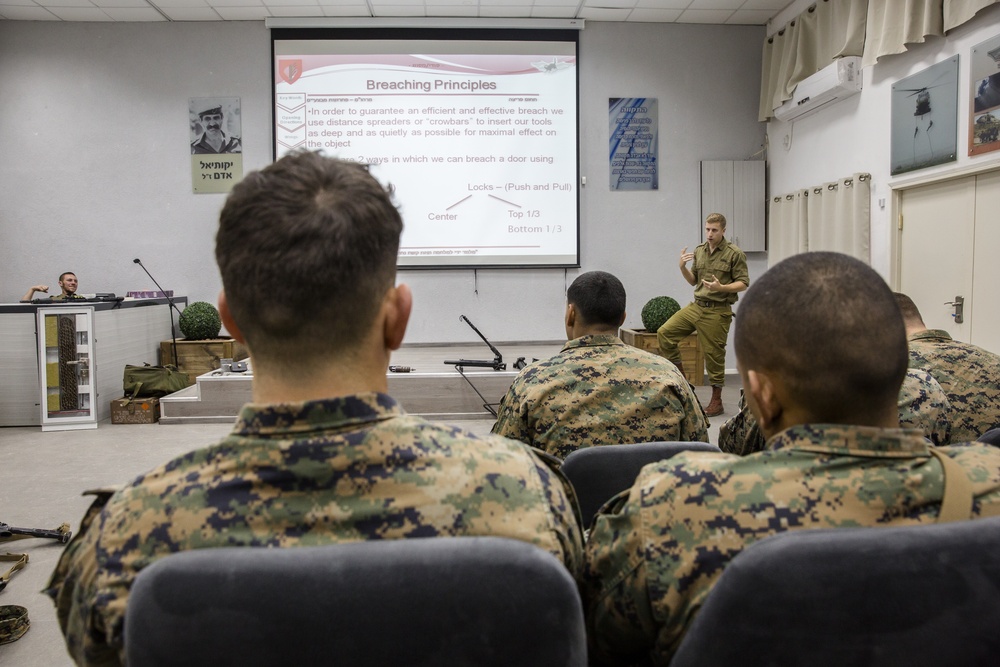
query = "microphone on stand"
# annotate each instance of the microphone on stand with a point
(172, 307)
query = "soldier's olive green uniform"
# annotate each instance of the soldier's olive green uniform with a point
(320, 472)
(969, 375)
(922, 405)
(656, 551)
(711, 313)
(600, 391)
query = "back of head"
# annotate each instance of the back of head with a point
(307, 249)
(908, 309)
(599, 298)
(827, 325)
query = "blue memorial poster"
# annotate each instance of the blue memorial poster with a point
(633, 143)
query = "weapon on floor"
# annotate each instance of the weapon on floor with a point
(62, 533)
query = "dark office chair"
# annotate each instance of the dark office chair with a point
(600, 473)
(476, 601)
(991, 437)
(924, 595)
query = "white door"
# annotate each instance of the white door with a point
(936, 251)
(985, 295)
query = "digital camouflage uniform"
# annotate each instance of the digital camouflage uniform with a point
(711, 313)
(600, 391)
(655, 551)
(969, 375)
(320, 472)
(922, 405)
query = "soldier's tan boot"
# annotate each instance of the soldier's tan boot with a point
(680, 367)
(715, 405)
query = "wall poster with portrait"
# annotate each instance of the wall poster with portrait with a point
(216, 138)
(984, 107)
(925, 118)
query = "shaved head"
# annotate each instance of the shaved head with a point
(828, 328)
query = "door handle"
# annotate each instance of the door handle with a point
(959, 305)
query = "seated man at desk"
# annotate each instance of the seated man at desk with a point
(68, 283)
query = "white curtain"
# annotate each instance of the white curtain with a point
(838, 216)
(892, 24)
(831, 29)
(957, 12)
(787, 226)
(828, 30)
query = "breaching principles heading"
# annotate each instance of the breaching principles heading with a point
(428, 86)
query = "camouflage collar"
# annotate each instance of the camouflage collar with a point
(927, 334)
(593, 340)
(306, 416)
(866, 441)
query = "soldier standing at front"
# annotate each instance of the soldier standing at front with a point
(718, 274)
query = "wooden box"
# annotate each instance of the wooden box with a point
(136, 411)
(196, 357)
(692, 356)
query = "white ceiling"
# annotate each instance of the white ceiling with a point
(732, 12)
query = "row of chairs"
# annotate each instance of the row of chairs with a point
(918, 596)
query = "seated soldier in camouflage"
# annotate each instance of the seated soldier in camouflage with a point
(969, 375)
(820, 346)
(322, 454)
(922, 404)
(598, 390)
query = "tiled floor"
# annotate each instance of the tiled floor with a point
(43, 474)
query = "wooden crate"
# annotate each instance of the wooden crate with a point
(197, 357)
(136, 411)
(692, 356)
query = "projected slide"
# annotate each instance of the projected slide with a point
(478, 138)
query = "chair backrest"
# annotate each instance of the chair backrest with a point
(600, 473)
(916, 595)
(991, 437)
(438, 601)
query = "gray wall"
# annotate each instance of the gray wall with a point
(95, 168)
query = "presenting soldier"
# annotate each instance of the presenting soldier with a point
(598, 390)
(823, 384)
(322, 455)
(718, 274)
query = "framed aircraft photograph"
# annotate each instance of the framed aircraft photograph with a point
(925, 118)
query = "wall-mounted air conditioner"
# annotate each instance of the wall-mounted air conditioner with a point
(835, 82)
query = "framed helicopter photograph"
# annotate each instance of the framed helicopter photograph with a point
(984, 105)
(925, 118)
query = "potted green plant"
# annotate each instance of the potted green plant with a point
(202, 349)
(200, 321)
(658, 310)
